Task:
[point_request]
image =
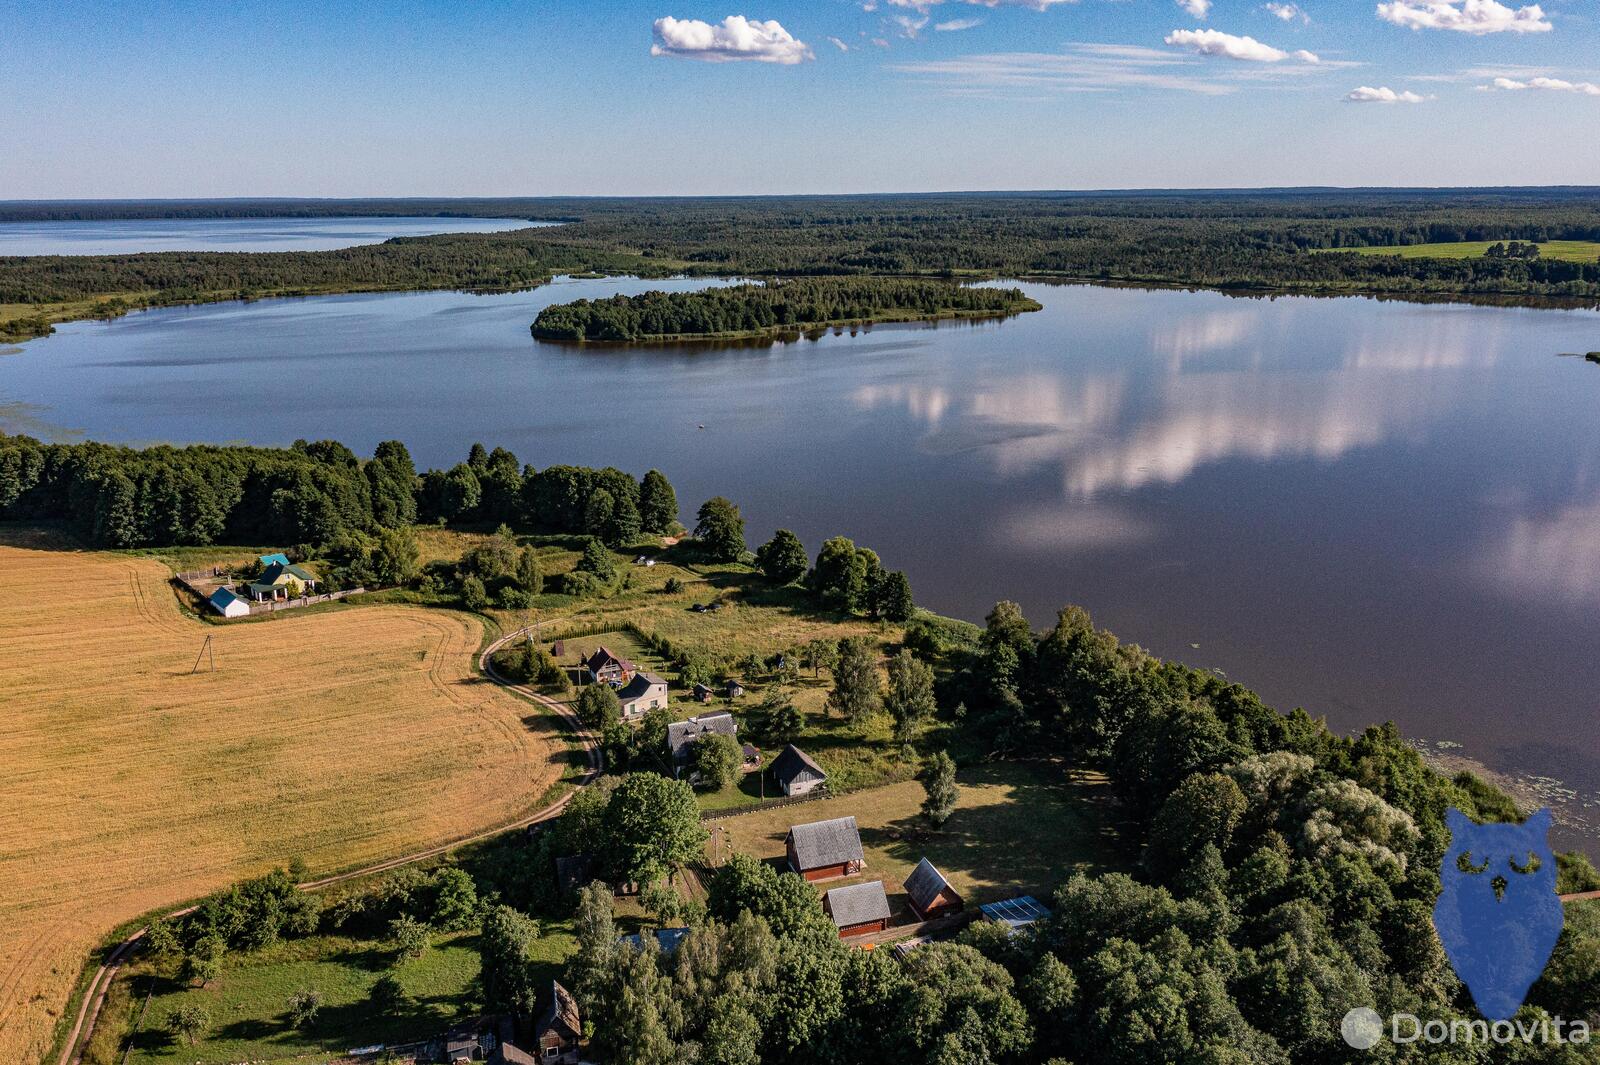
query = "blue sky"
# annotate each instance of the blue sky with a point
(558, 97)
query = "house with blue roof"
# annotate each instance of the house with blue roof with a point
(228, 605)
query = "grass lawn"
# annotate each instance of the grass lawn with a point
(247, 1001)
(1581, 251)
(1019, 828)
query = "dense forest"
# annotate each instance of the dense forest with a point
(774, 307)
(1246, 241)
(1280, 876)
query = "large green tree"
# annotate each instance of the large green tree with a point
(782, 558)
(720, 530)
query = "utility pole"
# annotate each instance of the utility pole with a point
(205, 652)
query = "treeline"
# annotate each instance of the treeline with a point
(1222, 240)
(318, 493)
(1279, 877)
(777, 306)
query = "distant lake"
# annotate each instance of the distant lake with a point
(1375, 510)
(229, 234)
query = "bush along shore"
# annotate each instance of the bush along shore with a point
(770, 310)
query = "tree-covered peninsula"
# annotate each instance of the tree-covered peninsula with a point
(777, 307)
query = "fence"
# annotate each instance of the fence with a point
(275, 605)
(768, 804)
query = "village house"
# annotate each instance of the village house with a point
(794, 772)
(930, 893)
(559, 1030)
(825, 850)
(228, 605)
(279, 581)
(858, 909)
(644, 693)
(606, 668)
(681, 736)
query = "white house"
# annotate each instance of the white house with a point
(644, 693)
(228, 605)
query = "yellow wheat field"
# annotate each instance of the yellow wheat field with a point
(127, 784)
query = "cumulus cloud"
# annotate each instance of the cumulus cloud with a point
(1228, 46)
(1366, 94)
(735, 38)
(1582, 88)
(1286, 12)
(1196, 8)
(1477, 17)
(956, 25)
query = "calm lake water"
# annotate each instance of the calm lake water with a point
(229, 234)
(1372, 510)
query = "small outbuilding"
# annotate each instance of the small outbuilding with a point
(796, 773)
(666, 938)
(734, 689)
(1015, 913)
(228, 605)
(930, 893)
(825, 850)
(858, 909)
(702, 693)
(560, 1028)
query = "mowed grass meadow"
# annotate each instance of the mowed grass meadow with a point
(340, 737)
(1019, 828)
(1577, 251)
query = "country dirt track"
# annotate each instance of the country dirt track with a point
(343, 738)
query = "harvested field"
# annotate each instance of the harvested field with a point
(341, 737)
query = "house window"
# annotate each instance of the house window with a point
(551, 1052)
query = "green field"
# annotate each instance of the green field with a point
(1577, 251)
(247, 1002)
(1019, 828)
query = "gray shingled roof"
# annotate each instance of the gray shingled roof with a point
(682, 734)
(826, 842)
(791, 762)
(858, 904)
(640, 684)
(925, 883)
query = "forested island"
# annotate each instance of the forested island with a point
(1265, 241)
(774, 308)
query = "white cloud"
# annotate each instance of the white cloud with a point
(1228, 46)
(1583, 88)
(956, 25)
(910, 27)
(924, 5)
(1196, 8)
(1476, 17)
(837, 43)
(736, 38)
(1366, 94)
(1287, 12)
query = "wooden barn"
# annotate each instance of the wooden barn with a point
(794, 772)
(930, 893)
(559, 1030)
(825, 850)
(858, 909)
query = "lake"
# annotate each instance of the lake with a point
(1375, 510)
(125, 237)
